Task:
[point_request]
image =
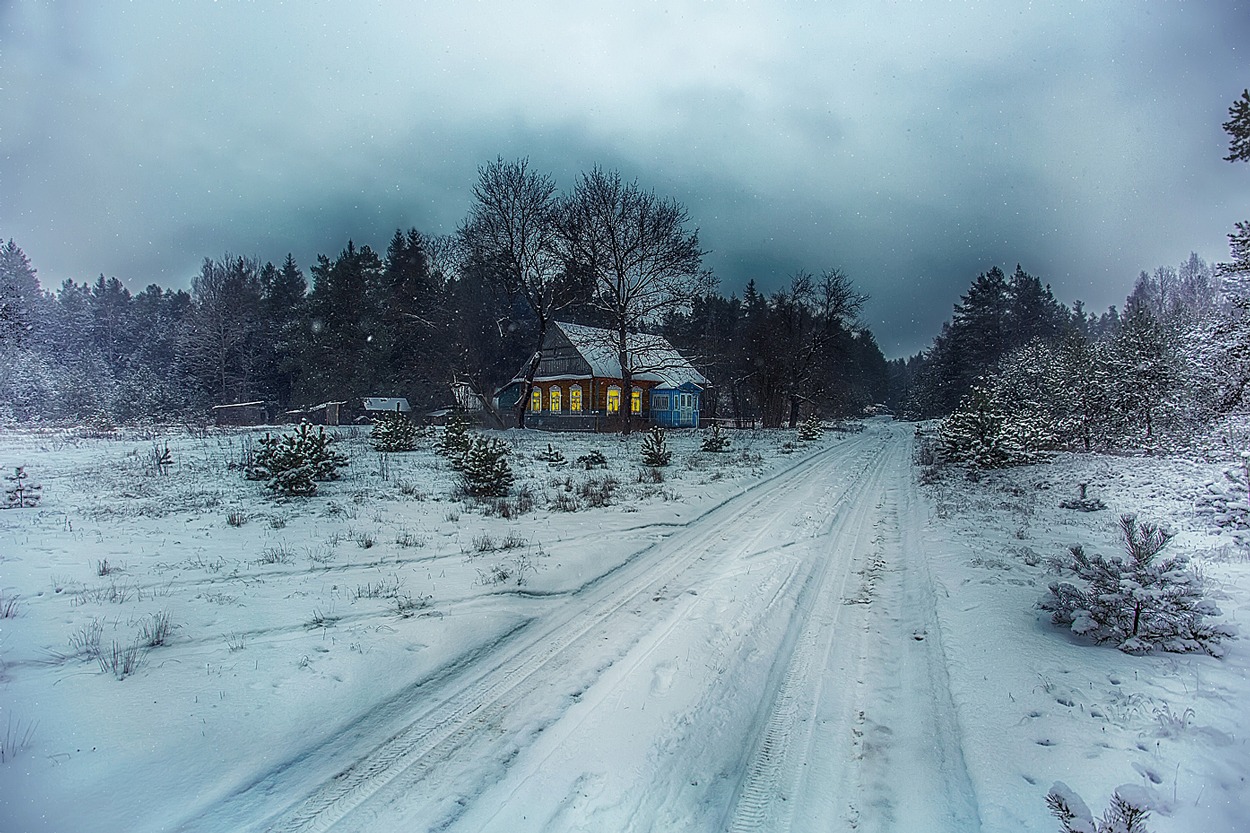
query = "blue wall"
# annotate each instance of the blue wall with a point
(674, 416)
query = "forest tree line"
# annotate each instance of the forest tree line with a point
(429, 311)
(1017, 373)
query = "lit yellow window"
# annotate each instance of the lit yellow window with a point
(536, 399)
(635, 402)
(575, 399)
(553, 399)
(614, 400)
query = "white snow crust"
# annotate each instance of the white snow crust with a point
(763, 641)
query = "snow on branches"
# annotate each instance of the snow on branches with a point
(1139, 600)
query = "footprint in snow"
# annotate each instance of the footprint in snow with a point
(662, 678)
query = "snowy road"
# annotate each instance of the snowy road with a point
(772, 664)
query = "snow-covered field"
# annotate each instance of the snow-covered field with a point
(762, 641)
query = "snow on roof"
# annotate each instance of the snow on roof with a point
(652, 358)
(386, 403)
(256, 404)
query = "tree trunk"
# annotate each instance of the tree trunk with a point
(531, 370)
(627, 383)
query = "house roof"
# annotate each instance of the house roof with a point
(651, 357)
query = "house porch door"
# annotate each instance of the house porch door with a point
(685, 409)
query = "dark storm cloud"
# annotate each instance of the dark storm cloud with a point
(912, 145)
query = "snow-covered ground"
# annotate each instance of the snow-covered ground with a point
(762, 641)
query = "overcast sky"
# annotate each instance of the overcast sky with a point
(911, 144)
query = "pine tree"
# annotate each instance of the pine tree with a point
(714, 440)
(811, 429)
(21, 495)
(455, 440)
(20, 297)
(553, 457)
(394, 432)
(1238, 129)
(290, 462)
(654, 451)
(283, 332)
(341, 357)
(978, 433)
(484, 470)
(1139, 600)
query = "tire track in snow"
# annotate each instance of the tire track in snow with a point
(768, 793)
(521, 665)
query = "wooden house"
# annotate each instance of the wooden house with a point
(578, 383)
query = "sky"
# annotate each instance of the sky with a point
(912, 145)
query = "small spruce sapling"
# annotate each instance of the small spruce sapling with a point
(810, 430)
(553, 457)
(654, 451)
(714, 440)
(484, 469)
(1127, 813)
(1245, 470)
(393, 432)
(21, 495)
(1138, 600)
(162, 459)
(593, 460)
(291, 462)
(455, 440)
(1083, 503)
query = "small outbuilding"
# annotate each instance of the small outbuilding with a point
(327, 413)
(243, 413)
(375, 405)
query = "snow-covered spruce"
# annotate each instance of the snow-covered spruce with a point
(810, 430)
(1138, 600)
(655, 452)
(455, 440)
(484, 469)
(393, 432)
(982, 434)
(21, 495)
(1127, 813)
(289, 463)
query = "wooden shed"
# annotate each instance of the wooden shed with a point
(243, 413)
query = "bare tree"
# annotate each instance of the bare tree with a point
(636, 250)
(511, 231)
